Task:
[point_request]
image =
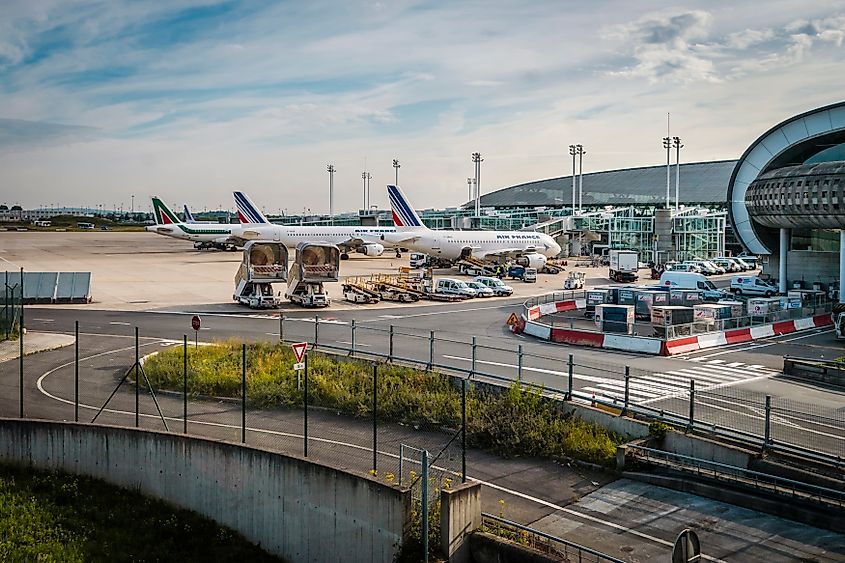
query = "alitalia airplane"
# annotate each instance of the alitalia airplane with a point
(203, 235)
(365, 240)
(411, 233)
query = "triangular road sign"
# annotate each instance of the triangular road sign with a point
(513, 319)
(299, 350)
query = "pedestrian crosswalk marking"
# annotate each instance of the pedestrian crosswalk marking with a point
(655, 387)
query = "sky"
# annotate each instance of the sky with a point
(188, 100)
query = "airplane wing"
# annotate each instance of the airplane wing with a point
(351, 243)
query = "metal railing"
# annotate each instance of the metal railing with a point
(542, 541)
(554, 297)
(762, 482)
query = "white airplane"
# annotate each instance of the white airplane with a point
(411, 233)
(365, 240)
(203, 235)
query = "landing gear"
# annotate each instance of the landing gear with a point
(398, 254)
(344, 256)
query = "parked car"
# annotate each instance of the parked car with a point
(728, 264)
(451, 286)
(719, 269)
(752, 285)
(691, 280)
(481, 290)
(685, 267)
(498, 286)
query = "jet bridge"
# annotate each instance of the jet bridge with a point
(264, 263)
(316, 263)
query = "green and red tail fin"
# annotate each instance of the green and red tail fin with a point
(163, 214)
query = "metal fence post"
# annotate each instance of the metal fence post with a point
(390, 346)
(425, 504)
(431, 350)
(281, 328)
(305, 405)
(184, 383)
(375, 419)
(20, 338)
(627, 389)
(463, 430)
(691, 402)
(6, 306)
(316, 324)
(76, 371)
(767, 429)
(472, 371)
(519, 363)
(571, 372)
(243, 393)
(137, 383)
(353, 337)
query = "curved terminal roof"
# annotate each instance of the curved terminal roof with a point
(701, 182)
(791, 142)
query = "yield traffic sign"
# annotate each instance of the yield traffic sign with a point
(299, 350)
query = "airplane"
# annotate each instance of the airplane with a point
(203, 235)
(534, 248)
(365, 240)
(189, 218)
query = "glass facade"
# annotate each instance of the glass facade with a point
(819, 240)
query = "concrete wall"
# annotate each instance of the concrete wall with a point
(460, 516)
(291, 507)
(811, 266)
(702, 448)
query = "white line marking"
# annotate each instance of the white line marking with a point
(121, 323)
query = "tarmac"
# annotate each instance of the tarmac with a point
(34, 342)
(144, 271)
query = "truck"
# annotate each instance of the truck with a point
(264, 263)
(624, 265)
(316, 263)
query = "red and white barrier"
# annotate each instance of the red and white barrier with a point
(656, 346)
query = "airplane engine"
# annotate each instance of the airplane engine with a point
(372, 249)
(536, 261)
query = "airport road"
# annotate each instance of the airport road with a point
(628, 520)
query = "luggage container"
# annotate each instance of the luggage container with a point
(618, 319)
(596, 297)
(808, 298)
(646, 299)
(625, 296)
(685, 297)
(708, 317)
(678, 318)
(761, 306)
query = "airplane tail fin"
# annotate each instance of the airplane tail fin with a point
(163, 214)
(248, 212)
(189, 218)
(404, 216)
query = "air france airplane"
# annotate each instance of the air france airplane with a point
(365, 240)
(203, 235)
(411, 233)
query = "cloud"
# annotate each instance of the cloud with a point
(19, 134)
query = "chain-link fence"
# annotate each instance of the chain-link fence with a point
(12, 308)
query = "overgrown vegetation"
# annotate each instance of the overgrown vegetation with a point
(54, 516)
(658, 429)
(516, 422)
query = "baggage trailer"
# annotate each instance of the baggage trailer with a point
(316, 263)
(264, 263)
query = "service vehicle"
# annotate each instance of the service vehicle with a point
(498, 286)
(451, 286)
(838, 316)
(575, 280)
(752, 285)
(719, 269)
(624, 265)
(530, 275)
(683, 267)
(256, 295)
(481, 290)
(691, 280)
(702, 267)
(418, 260)
(751, 261)
(728, 264)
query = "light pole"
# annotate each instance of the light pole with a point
(476, 158)
(331, 170)
(573, 153)
(396, 167)
(579, 149)
(133, 204)
(470, 182)
(365, 176)
(676, 144)
(667, 144)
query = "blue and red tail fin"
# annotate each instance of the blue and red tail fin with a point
(404, 216)
(248, 212)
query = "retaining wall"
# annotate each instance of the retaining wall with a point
(291, 507)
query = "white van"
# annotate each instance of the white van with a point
(692, 280)
(418, 260)
(752, 285)
(451, 286)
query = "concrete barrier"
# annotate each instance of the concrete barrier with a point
(814, 370)
(460, 516)
(291, 507)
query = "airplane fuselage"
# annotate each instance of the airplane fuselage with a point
(451, 245)
(293, 235)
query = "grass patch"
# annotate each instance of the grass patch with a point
(517, 422)
(55, 516)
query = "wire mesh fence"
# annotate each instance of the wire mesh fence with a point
(12, 309)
